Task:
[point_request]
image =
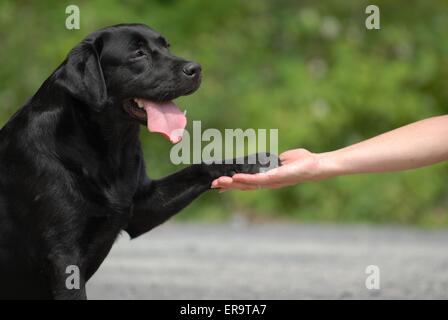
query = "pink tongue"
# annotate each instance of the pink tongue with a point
(165, 118)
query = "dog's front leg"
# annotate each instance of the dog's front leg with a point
(159, 200)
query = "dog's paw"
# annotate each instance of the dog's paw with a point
(256, 163)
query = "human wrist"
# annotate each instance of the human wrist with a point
(328, 165)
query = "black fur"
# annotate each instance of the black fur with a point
(72, 173)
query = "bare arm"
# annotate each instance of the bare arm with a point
(416, 145)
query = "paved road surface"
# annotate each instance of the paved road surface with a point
(238, 261)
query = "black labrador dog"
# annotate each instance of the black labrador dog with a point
(72, 174)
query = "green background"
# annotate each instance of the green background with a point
(310, 69)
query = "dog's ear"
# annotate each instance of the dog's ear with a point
(81, 75)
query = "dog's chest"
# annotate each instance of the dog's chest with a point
(112, 186)
(99, 237)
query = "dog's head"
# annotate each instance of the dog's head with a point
(130, 66)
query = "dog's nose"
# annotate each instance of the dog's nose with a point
(192, 69)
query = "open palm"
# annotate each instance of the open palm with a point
(297, 165)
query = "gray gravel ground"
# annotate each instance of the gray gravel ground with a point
(274, 261)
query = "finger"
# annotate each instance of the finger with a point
(286, 161)
(245, 187)
(253, 179)
(228, 183)
(222, 182)
(238, 186)
(242, 186)
(283, 158)
(292, 154)
(286, 156)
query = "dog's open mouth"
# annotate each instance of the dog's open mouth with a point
(161, 117)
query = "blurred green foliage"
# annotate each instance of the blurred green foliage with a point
(309, 68)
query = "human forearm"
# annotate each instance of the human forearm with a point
(415, 145)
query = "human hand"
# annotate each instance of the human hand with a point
(298, 165)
